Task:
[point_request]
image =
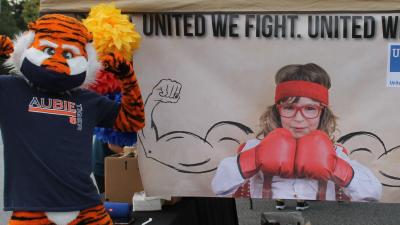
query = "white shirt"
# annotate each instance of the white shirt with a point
(363, 187)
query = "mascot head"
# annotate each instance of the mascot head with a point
(56, 54)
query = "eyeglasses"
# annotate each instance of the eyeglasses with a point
(307, 111)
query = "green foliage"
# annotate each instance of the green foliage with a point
(8, 25)
(30, 10)
(15, 14)
(16, 10)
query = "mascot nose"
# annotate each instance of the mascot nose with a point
(58, 64)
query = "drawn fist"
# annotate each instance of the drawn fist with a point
(118, 65)
(167, 91)
(6, 46)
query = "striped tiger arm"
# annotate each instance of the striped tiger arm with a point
(6, 46)
(131, 114)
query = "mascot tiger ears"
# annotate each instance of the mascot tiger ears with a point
(56, 54)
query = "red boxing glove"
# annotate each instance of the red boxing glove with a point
(274, 155)
(316, 159)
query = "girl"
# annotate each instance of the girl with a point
(296, 159)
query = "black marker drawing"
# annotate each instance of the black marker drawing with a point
(382, 159)
(185, 151)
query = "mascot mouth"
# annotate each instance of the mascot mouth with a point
(50, 80)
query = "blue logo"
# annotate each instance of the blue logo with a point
(395, 58)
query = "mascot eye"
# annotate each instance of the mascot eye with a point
(49, 51)
(67, 55)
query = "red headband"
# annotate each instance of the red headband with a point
(301, 88)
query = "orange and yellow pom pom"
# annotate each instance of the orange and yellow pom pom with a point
(112, 31)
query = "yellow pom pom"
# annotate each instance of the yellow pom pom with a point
(112, 31)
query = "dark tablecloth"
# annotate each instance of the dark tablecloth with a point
(192, 211)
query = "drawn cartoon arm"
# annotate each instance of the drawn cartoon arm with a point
(378, 158)
(165, 91)
(170, 147)
(131, 113)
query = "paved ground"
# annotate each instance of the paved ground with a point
(325, 213)
(320, 213)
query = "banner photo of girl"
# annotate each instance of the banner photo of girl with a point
(270, 105)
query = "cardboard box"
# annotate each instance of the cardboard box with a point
(122, 178)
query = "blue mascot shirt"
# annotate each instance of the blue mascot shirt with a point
(47, 146)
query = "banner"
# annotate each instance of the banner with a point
(128, 6)
(207, 78)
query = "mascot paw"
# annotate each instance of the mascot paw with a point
(118, 65)
(6, 46)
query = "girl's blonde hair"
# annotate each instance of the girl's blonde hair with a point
(270, 119)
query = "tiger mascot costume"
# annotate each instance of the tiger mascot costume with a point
(47, 120)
